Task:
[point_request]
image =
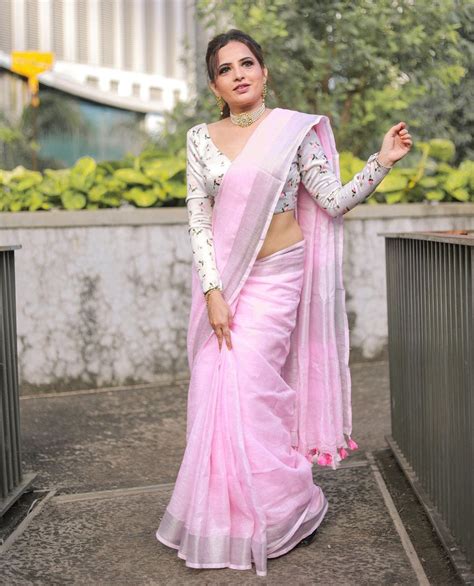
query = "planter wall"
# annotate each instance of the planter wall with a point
(104, 296)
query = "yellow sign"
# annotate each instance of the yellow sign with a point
(31, 64)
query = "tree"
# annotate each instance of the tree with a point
(365, 64)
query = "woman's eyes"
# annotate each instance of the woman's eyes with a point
(244, 63)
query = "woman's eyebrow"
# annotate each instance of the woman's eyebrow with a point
(243, 59)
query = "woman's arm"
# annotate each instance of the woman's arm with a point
(323, 185)
(199, 204)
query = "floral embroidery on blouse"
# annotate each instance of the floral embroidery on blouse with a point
(205, 170)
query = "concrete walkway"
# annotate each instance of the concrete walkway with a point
(106, 462)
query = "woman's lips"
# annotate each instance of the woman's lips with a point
(242, 89)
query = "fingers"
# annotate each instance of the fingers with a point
(227, 338)
(223, 332)
(220, 336)
(403, 133)
(397, 128)
(406, 137)
(221, 325)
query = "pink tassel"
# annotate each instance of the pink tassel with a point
(343, 453)
(325, 459)
(322, 460)
(352, 444)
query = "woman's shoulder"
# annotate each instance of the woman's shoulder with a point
(308, 116)
(195, 137)
(303, 112)
(196, 129)
(202, 128)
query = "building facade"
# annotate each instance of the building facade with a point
(132, 54)
(124, 62)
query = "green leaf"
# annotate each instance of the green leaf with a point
(176, 189)
(97, 193)
(429, 182)
(460, 194)
(456, 180)
(15, 206)
(435, 195)
(163, 169)
(72, 200)
(142, 198)
(114, 185)
(36, 201)
(161, 192)
(30, 180)
(111, 201)
(442, 149)
(131, 176)
(51, 187)
(393, 181)
(394, 197)
(82, 174)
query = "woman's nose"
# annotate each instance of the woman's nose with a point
(239, 74)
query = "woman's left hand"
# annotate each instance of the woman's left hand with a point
(396, 144)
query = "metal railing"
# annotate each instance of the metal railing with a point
(12, 482)
(431, 362)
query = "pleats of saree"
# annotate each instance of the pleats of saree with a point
(243, 494)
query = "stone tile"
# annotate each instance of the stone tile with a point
(370, 404)
(127, 438)
(112, 541)
(105, 440)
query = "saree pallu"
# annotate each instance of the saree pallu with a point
(243, 493)
(317, 366)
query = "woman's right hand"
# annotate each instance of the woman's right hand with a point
(220, 317)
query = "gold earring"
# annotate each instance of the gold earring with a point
(264, 91)
(220, 103)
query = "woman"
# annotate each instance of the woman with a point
(265, 208)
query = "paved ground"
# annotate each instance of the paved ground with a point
(106, 462)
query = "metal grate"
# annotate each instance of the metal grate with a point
(431, 354)
(12, 482)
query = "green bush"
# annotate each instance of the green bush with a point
(154, 180)
(431, 179)
(149, 180)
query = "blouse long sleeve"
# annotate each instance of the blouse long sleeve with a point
(325, 188)
(199, 205)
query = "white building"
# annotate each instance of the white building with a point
(125, 53)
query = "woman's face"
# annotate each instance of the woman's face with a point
(236, 65)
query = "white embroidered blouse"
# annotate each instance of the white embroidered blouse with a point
(207, 165)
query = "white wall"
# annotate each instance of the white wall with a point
(103, 296)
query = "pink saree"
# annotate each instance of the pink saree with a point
(261, 413)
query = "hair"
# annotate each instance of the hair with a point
(220, 41)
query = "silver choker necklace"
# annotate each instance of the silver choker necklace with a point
(248, 118)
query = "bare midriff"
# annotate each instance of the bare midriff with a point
(283, 231)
